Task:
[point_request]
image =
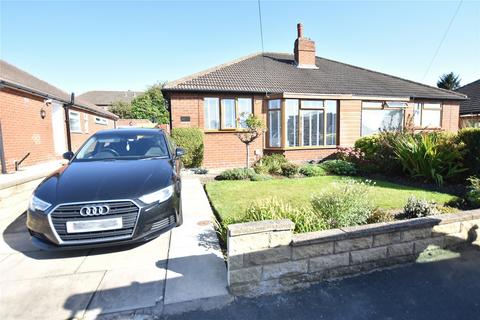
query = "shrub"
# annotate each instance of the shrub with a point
(191, 139)
(289, 169)
(471, 138)
(260, 177)
(369, 146)
(200, 171)
(339, 167)
(431, 156)
(312, 170)
(378, 153)
(236, 174)
(344, 204)
(379, 215)
(473, 192)
(415, 208)
(270, 164)
(270, 209)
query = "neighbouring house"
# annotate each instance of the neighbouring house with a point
(38, 120)
(105, 99)
(311, 105)
(137, 123)
(470, 109)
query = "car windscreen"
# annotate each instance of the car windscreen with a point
(125, 146)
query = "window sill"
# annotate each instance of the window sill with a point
(77, 132)
(301, 148)
(223, 130)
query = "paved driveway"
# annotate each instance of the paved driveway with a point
(44, 285)
(174, 270)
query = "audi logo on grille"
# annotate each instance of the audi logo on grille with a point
(97, 210)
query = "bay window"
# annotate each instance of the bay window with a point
(427, 115)
(274, 123)
(226, 113)
(378, 116)
(307, 123)
(331, 134)
(291, 119)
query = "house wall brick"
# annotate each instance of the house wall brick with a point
(23, 130)
(223, 149)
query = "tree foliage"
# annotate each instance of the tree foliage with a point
(150, 105)
(122, 109)
(449, 81)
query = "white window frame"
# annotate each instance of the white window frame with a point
(381, 105)
(418, 110)
(101, 121)
(207, 116)
(74, 115)
(85, 123)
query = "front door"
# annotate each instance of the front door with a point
(58, 125)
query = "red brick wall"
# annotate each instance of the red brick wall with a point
(303, 155)
(25, 131)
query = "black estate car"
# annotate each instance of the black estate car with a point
(122, 186)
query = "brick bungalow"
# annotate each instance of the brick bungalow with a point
(311, 105)
(470, 109)
(32, 119)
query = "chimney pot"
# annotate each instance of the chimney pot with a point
(299, 30)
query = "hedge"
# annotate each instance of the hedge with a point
(191, 139)
(471, 138)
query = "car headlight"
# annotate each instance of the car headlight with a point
(38, 204)
(158, 196)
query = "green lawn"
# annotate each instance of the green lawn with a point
(232, 198)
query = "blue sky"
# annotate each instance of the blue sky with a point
(119, 45)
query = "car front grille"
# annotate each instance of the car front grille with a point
(127, 210)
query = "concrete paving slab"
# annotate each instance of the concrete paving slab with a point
(3, 256)
(141, 256)
(127, 289)
(39, 265)
(196, 268)
(51, 298)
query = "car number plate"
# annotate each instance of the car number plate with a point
(94, 225)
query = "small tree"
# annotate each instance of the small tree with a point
(449, 81)
(253, 128)
(122, 109)
(151, 105)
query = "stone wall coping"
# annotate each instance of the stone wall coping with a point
(239, 229)
(378, 228)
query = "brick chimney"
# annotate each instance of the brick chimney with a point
(304, 50)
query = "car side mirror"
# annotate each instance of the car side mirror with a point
(179, 152)
(68, 155)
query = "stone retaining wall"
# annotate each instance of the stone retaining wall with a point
(266, 256)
